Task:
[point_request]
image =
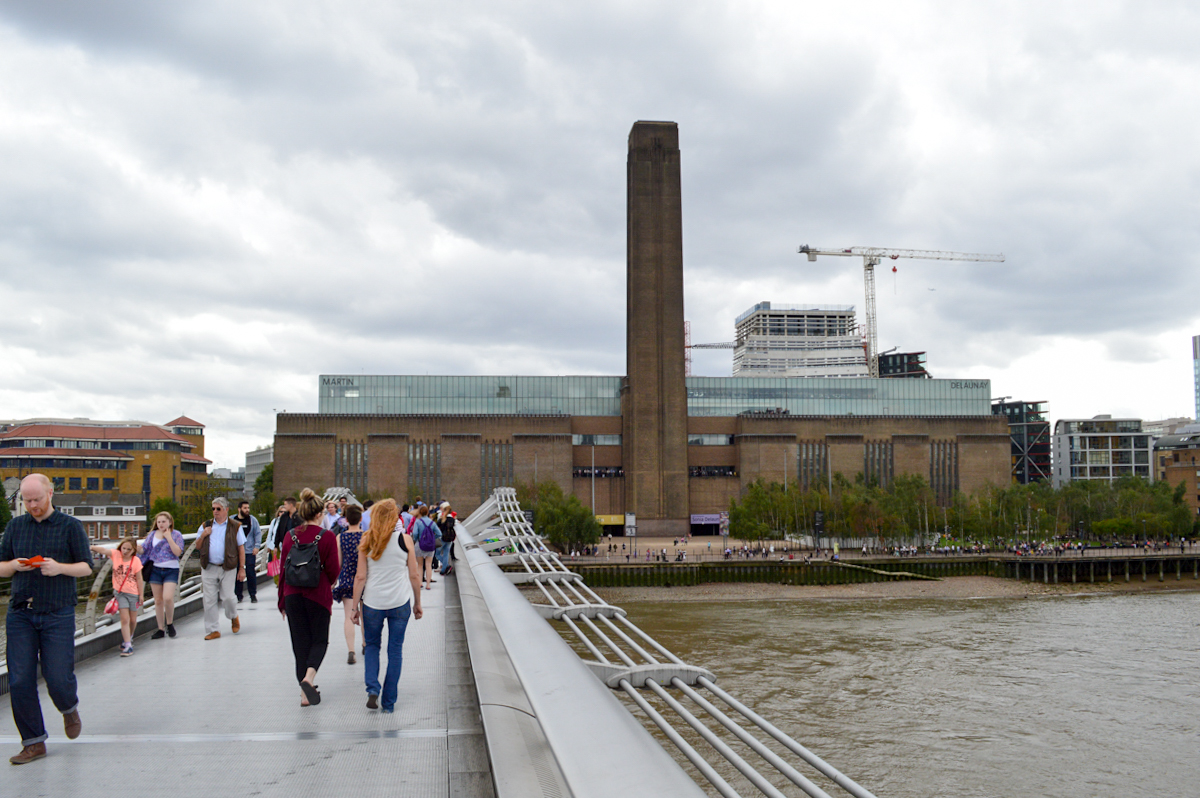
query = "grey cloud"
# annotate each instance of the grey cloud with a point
(335, 172)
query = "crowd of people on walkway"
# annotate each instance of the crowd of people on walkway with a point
(375, 559)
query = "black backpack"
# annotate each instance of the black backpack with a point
(448, 532)
(303, 566)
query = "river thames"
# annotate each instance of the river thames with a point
(1072, 696)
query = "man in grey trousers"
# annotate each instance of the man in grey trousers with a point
(222, 546)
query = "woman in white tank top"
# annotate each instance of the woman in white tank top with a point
(387, 588)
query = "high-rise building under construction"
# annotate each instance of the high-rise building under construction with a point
(798, 341)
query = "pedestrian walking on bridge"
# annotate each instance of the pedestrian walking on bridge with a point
(447, 520)
(222, 546)
(387, 588)
(348, 543)
(427, 537)
(162, 548)
(128, 586)
(249, 525)
(306, 591)
(44, 552)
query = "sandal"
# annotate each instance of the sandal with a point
(311, 693)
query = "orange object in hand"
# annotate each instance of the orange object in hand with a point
(36, 559)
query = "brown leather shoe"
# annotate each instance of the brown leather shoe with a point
(28, 754)
(212, 635)
(72, 725)
(237, 625)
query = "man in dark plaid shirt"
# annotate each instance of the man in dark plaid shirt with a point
(41, 613)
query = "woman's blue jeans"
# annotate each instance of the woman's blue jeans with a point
(397, 623)
(444, 555)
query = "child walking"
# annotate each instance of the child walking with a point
(127, 586)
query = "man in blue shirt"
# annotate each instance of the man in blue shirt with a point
(222, 546)
(40, 625)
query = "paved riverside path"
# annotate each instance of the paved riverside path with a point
(187, 716)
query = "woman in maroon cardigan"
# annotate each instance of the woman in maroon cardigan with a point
(308, 610)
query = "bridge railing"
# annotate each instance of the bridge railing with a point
(187, 588)
(626, 659)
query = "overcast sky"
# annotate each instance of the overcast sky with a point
(203, 206)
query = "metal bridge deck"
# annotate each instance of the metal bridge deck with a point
(186, 716)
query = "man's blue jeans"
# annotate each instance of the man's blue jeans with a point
(397, 623)
(444, 555)
(251, 582)
(48, 637)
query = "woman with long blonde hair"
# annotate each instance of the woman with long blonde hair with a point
(387, 588)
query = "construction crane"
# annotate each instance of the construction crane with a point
(872, 256)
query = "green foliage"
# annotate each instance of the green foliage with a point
(563, 521)
(197, 505)
(164, 505)
(5, 513)
(906, 511)
(263, 505)
(265, 481)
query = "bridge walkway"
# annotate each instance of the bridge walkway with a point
(186, 716)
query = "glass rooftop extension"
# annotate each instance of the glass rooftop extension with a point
(469, 396)
(600, 396)
(837, 396)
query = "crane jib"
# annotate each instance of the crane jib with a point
(871, 257)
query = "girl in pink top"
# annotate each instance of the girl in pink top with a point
(127, 586)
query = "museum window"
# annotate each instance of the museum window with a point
(76, 483)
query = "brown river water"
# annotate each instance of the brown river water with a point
(1067, 696)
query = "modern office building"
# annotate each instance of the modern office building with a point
(904, 365)
(1101, 447)
(667, 448)
(235, 482)
(798, 341)
(1030, 434)
(117, 458)
(256, 461)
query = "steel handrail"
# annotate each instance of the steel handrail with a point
(632, 664)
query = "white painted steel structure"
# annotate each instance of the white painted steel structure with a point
(625, 659)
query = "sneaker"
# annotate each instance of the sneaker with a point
(159, 634)
(254, 599)
(171, 630)
(126, 649)
(372, 702)
(350, 658)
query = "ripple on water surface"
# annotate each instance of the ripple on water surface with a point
(1066, 697)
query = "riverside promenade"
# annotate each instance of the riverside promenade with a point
(186, 716)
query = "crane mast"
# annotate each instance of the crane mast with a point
(872, 256)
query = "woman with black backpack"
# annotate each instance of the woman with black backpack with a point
(310, 569)
(446, 522)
